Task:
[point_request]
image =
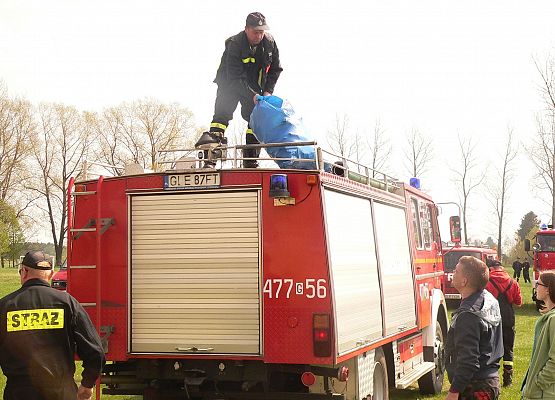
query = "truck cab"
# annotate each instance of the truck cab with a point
(543, 252)
(59, 280)
(451, 258)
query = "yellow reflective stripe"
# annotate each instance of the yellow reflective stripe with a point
(508, 363)
(249, 131)
(217, 125)
(248, 60)
(30, 320)
(425, 260)
(260, 78)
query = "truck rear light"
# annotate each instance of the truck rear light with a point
(321, 335)
(308, 379)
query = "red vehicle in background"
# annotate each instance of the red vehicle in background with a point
(452, 256)
(59, 280)
(543, 252)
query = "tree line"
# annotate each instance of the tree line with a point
(43, 146)
(374, 148)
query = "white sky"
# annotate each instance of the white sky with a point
(442, 67)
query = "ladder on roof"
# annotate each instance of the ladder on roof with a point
(97, 226)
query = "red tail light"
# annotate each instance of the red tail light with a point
(322, 335)
(308, 379)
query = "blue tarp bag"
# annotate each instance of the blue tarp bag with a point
(273, 120)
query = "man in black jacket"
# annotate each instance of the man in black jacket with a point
(474, 342)
(41, 329)
(249, 67)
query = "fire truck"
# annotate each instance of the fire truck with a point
(234, 283)
(451, 257)
(543, 253)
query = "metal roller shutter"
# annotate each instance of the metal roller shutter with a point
(195, 273)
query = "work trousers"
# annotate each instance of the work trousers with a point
(226, 103)
(487, 389)
(64, 390)
(508, 345)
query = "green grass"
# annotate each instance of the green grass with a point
(526, 317)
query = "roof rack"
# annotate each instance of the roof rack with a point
(324, 161)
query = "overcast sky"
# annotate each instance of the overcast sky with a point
(443, 67)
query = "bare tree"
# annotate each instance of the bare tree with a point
(499, 189)
(162, 126)
(108, 130)
(63, 146)
(418, 152)
(339, 138)
(467, 177)
(542, 150)
(135, 132)
(17, 133)
(542, 154)
(380, 148)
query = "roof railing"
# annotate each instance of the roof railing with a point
(323, 161)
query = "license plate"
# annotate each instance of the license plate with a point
(192, 181)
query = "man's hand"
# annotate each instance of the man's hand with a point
(84, 393)
(452, 396)
(267, 94)
(255, 98)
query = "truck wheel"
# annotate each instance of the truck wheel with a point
(432, 382)
(380, 385)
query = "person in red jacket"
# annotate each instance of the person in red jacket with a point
(507, 292)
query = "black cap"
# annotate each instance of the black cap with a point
(257, 21)
(37, 260)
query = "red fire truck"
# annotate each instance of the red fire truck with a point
(451, 257)
(236, 283)
(543, 252)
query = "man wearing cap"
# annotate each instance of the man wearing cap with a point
(507, 292)
(249, 67)
(41, 330)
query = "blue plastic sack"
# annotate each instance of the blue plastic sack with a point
(273, 120)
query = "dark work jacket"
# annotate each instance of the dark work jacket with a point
(474, 343)
(246, 72)
(41, 330)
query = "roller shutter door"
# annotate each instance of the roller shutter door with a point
(195, 273)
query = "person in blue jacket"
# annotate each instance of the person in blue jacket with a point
(474, 342)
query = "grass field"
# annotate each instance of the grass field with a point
(526, 316)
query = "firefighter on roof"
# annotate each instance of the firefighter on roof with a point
(249, 67)
(41, 329)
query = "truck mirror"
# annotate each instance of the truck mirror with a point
(536, 247)
(526, 244)
(455, 228)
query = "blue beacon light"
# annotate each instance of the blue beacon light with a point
(415, 183)
(278, 186)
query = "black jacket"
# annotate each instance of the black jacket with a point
(474, 343)
(248, 72)
(41, 330)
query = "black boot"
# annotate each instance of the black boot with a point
(209, 140)
(507, 377)
(250, 153)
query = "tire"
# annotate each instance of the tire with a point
(432, 382)
(380, 383)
